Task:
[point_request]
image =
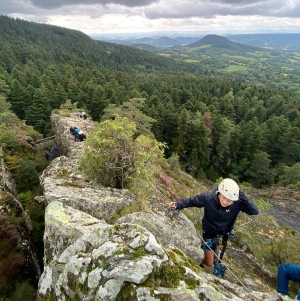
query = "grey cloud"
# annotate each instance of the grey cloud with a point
(51, 4)
(40, 10)
(17, 8)
(8, 7)
(239, 2)
(211, 9)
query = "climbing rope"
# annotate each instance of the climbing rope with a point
(206, 244)
(220, 259)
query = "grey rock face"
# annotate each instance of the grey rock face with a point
(95, 257)
(64, 139)
(62, 182)
(64, 226)
(93, 260)
(169, 231)
(142, 256)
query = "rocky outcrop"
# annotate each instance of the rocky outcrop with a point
(91, 255)
(93, 260)
(62, 181)
(63, 139)
(169, 229)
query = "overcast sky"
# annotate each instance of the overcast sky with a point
(133, 16)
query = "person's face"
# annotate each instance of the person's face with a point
(224, 201)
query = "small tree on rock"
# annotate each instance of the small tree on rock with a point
(116, 157)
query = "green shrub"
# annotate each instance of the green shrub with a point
(108, 152)
(25, 197)
(12, 162)
(31, 132)
(174, 162)
(284, 249)
(262, 205)
(115, 157)
(36, 212)
(295, 186)
(23, 291)
(68, 105)
(291, 175)
(9, 142)
(26, 175)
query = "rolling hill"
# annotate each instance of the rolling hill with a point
(22, 41)
(276, 41)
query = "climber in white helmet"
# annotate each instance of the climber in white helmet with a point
(221, 208)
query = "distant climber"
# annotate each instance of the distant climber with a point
(54, 151)
(72, 129)
(221, 208)
(82, 115)
(286, 272)
(81, 136)
(76, 134)
(48, 156)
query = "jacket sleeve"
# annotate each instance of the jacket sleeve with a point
(195, 201)
(247, 204)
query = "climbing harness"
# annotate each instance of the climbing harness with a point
(221, 266)
(211, 243)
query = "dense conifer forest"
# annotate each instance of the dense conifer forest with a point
(217, 127)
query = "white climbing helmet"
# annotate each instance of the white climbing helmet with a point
(230, 189)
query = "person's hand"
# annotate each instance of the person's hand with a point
(243, 196)
(172, 205)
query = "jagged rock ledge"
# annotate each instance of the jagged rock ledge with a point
(142, 256)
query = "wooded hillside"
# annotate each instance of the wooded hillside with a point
(216, 127)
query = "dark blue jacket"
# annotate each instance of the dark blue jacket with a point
(286, 272)
(218, 220)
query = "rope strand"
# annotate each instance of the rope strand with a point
(193, 227)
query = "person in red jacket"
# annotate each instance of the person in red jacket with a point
(221, 208)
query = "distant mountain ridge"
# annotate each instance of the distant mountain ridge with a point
(161, 42)
(214, 41)
(274, 41)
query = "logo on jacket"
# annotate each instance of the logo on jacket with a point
(228, 210)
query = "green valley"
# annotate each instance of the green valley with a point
(248, 64)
